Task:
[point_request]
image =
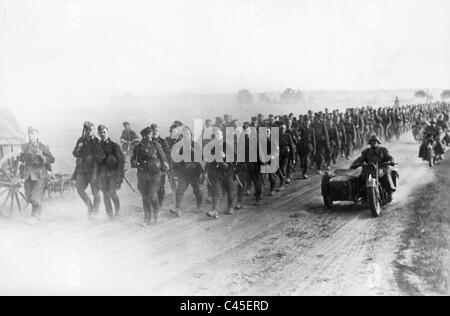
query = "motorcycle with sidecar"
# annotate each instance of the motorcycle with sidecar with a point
(356, 185)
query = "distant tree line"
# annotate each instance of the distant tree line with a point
(245, 97)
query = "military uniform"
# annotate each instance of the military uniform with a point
(129, 138)
(149, 158)
(379, 155)
(167, 152)
(350, 137)
(189, 173)
(335, 144)
(111, 171)
(221, 175)
(243, 173)
(322, 144)
(86, 172)
(287, 154)
(37, 159)
(306, 148)
(431, 131)
(342, 137)
(295, 140)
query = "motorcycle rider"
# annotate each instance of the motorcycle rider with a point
(379, 155)
(431, 131)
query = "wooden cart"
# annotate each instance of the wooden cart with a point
(12, 196)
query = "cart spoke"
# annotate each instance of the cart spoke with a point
(6, 201)
(11, 208)
(25, 199)
(18, 201)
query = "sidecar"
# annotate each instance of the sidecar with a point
(341, 186)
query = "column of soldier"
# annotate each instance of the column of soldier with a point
(314, 141)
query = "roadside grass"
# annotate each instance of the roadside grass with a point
(421, 264)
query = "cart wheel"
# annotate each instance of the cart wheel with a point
(11, 186)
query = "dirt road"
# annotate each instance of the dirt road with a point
(289, 246)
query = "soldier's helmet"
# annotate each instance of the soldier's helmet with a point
(146, 131)
(374, 138)
(101, 128)
(88, 125)
(32, 130)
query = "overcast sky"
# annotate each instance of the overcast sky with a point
(50, 49)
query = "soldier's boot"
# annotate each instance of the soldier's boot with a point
(230, 211)
(147, 220)
(90, 212)
(272, 193)
(257, 202)
(33, 220)
(156, 217)
(110, 216)
(238, 206)
(288, 181)
(248, 193)
(93, 207)
(176, 211)
(213, 214)
(281, 188)
(305, 176)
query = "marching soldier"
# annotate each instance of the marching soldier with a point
(149, 158)
(37, 159)
(111, 170)
(287, 155)
(335, 143)
(221, 174)
(350, 137)
(378, 122)
(189, 173)
(167, 152)
(128, 139)
(86, 168)
(322, 143)
(307, 146)
(340, 124)
(243, 168)
(258, 177)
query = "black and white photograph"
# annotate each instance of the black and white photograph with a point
(203, 149)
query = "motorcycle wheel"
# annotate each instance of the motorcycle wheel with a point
(374, 203)
(430, 157)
